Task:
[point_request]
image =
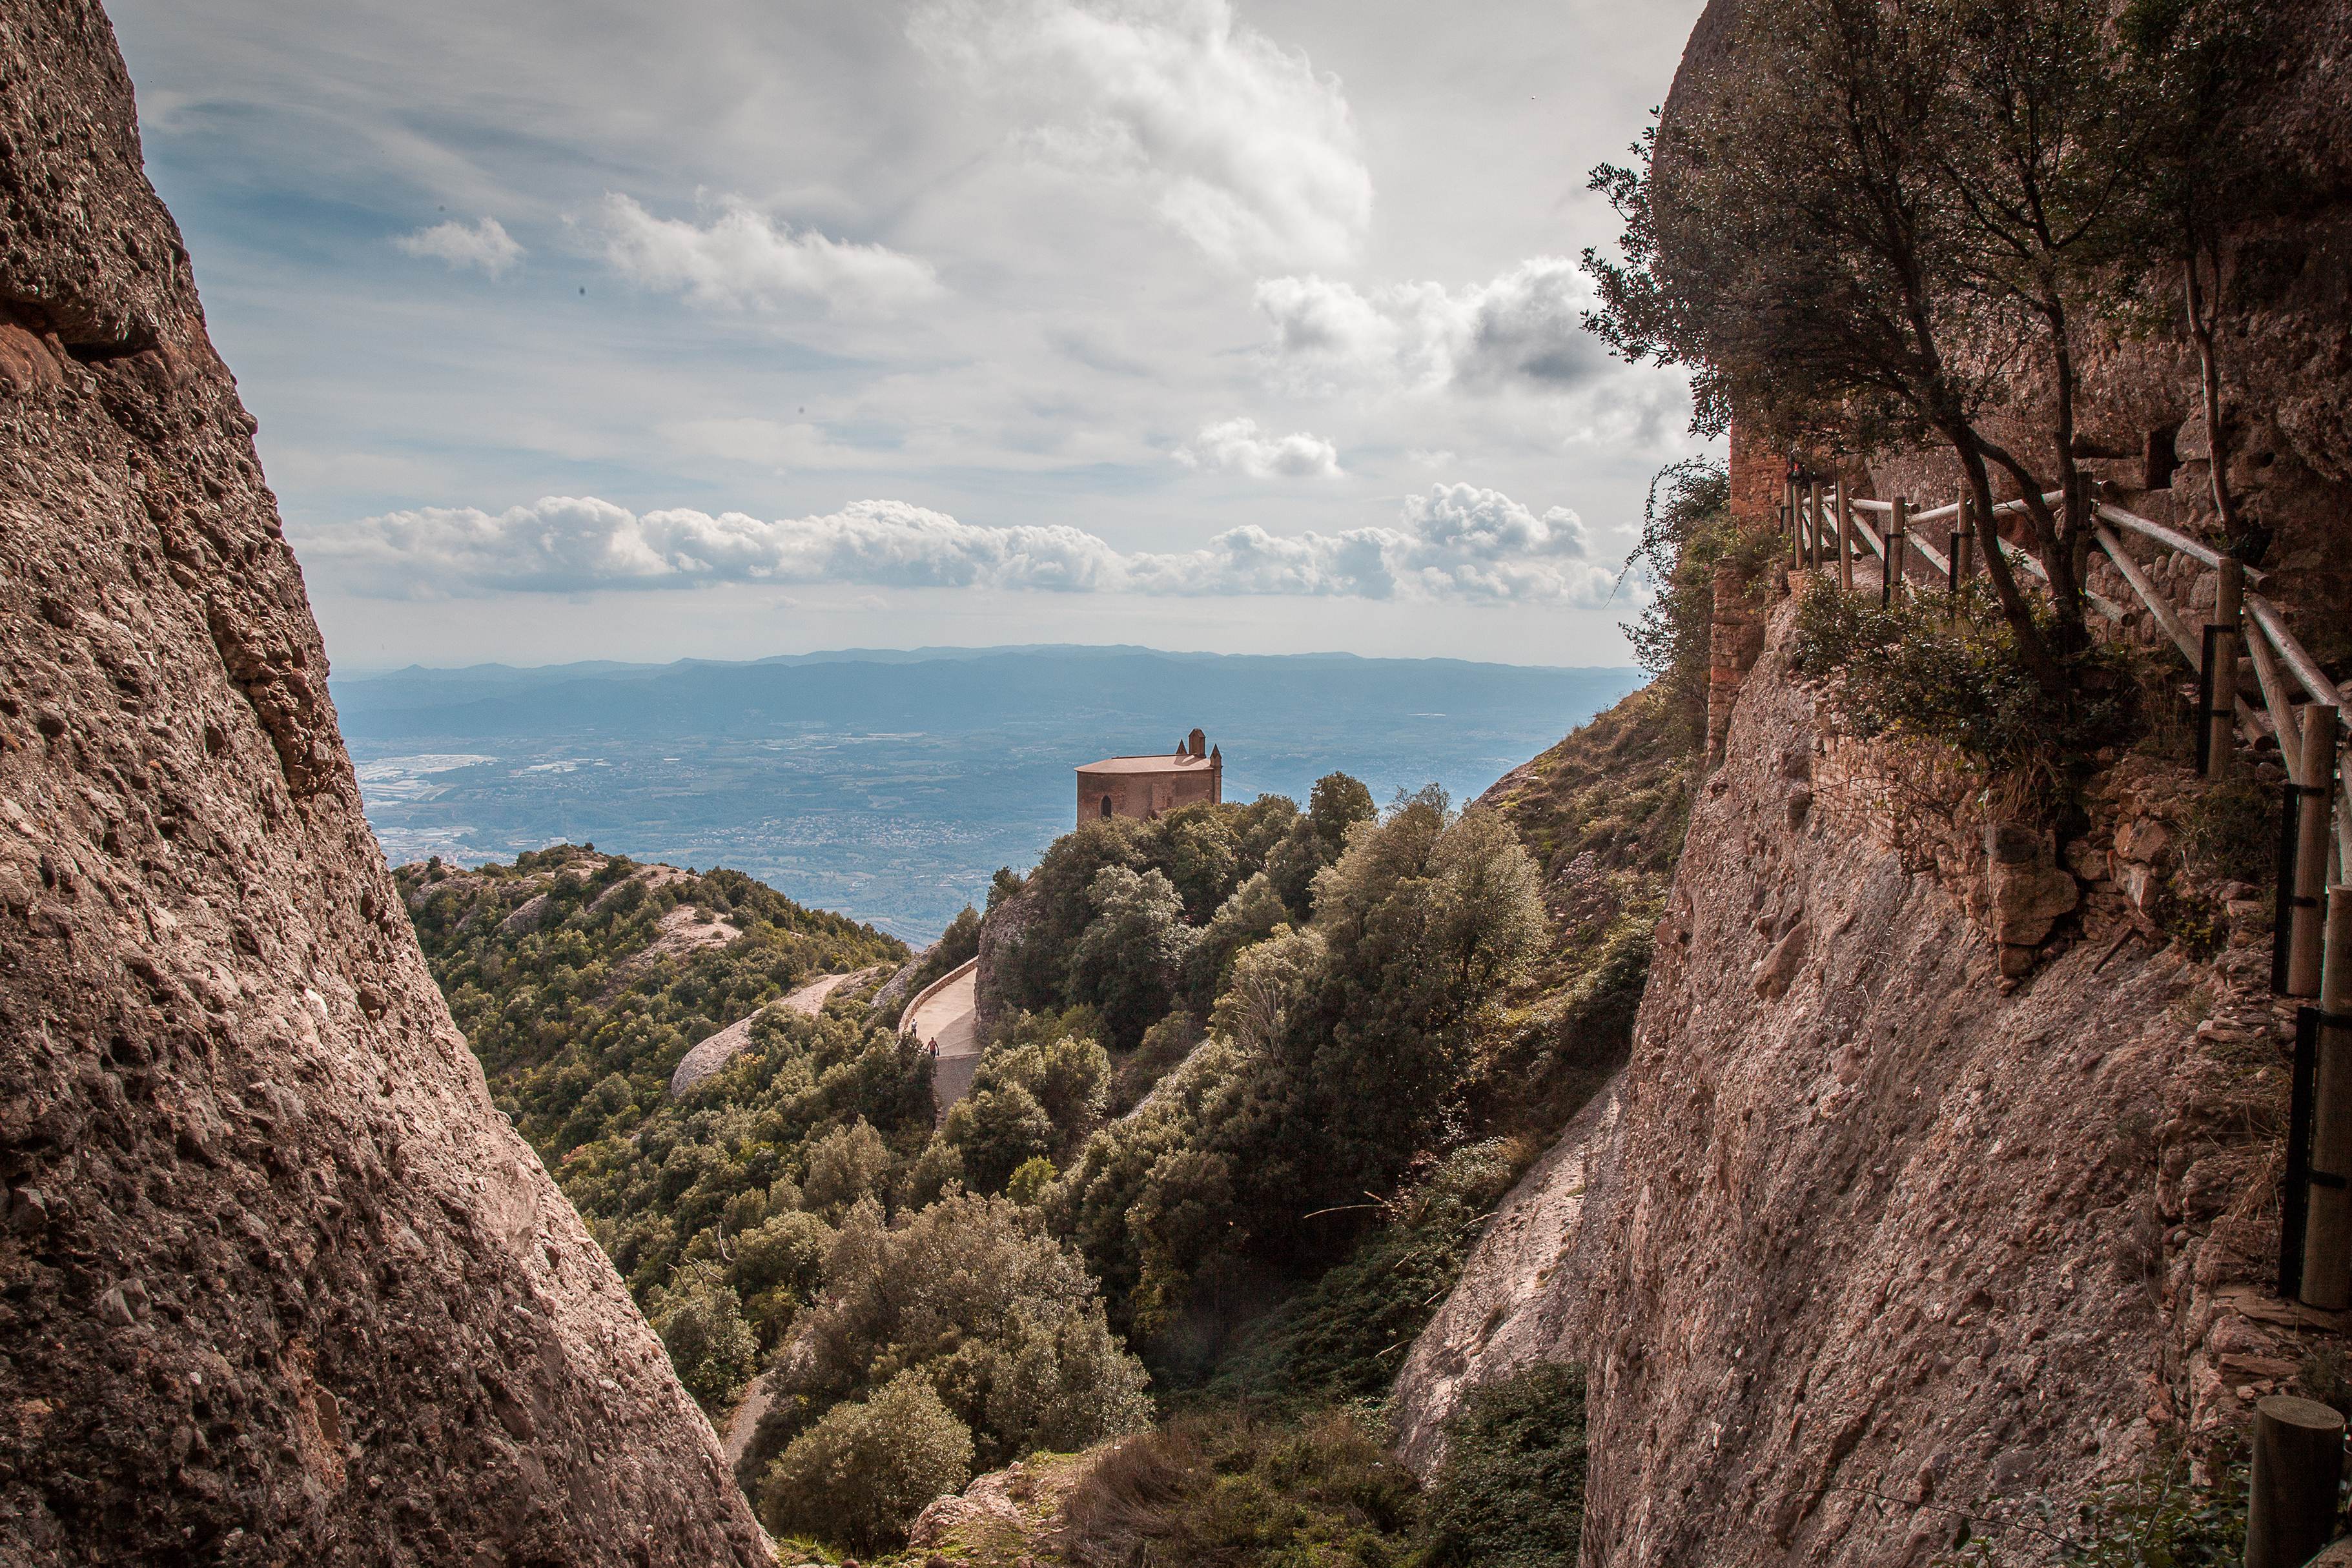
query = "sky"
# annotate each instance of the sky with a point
(732, 327)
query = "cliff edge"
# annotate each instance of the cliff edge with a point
(278, 1283)
(1869, 1242)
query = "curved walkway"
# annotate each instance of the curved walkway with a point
(941, 1018)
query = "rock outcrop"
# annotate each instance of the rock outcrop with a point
(278, 1283)
(1873, 1238)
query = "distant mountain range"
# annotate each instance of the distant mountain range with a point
(889, 784)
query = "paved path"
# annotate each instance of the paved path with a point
(719, 1049)
(944, 1017)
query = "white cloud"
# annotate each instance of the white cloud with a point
(1235, 445)
(1457, 542)
(485, 245)
(1523, 328)
(1237, 142)
(743, 260)
(1432, 457)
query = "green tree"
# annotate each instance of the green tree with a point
(778, 1268)
(1883, 217)
(860, 1476)
(712, 1349)
(1198, 850)
(1686, 530)
(1336, 803)
(1067, 1077)
(1130, 956)
(1254, 913)
(1001, 1319)
(995, 1130)
(2216, 170)
(844, 1166)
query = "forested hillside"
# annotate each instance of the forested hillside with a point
(1254, 1075)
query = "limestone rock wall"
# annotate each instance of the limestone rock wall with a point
(276, 1282)
(1872, 1236)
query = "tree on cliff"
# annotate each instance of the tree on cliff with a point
(1900, 218)
(2212, 172)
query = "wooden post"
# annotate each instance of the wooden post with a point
(1964, 543)
(2327, 1214)
(1815, 537)
(1789, 512)
(2291, 1505)
(2220, 683)
(1846, 538)
(2315, 802)
(1898, 523)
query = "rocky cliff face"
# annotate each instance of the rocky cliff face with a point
(1869, 1239)
(278, 1284)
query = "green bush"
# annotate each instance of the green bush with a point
(844, 1166)
(860, 1476)
(1510, 1493)
(1030, 1183)
(1950, 671)
(995, 1130)
(1345, 1335)
(2158, 1518)
(1225, 1489)
(1068, 1078)
(702, 1325)
(1001, 1319)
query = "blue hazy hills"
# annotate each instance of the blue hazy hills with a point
(889, 784)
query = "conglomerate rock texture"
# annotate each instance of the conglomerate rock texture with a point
(1867, 1241)
(276, 1282)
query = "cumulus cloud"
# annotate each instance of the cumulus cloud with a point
(1237, 142)
(485, 245)
(1523, 328)
(1235, 445)
(742, 260)
(1457, 542)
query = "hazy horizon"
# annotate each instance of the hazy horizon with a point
(891, 786)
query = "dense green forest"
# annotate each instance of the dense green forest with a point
(1254, 1076)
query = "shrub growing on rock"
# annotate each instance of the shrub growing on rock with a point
(1511, 1492)
(1001, 1319)
(860, 1476)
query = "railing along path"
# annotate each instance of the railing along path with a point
(2302, 712)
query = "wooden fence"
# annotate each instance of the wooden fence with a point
(2302, 714)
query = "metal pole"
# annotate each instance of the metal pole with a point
(2314, 800)
(2222, 687)
(1846, 538)
(2327, 1215)
(2291, 1501)
(1898, 523)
